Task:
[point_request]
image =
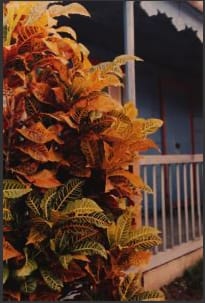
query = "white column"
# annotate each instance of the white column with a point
(129, 48)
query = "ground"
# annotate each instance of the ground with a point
(188, 287)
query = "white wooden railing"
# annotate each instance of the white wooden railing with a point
(176, 204)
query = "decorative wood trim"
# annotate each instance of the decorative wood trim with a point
(199, 5)
(170, 159)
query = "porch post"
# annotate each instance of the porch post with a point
(129, 48)
(129, 93)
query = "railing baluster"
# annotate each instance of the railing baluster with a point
(154, 175)
(164, 233)
(184, 184)
(192, 200)
(186, 202)
(198, 197)
(146, 213)
(171, 207)
(179, 203)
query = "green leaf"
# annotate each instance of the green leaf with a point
(33, 202)
(51, 280)
(65, 260)
(123, 228)
(42, 222)
(143, 233)
(5, 273)
(61, 244)
(47, 201)
(143, 242)
(28, 286)
(111, 233)
(72, 190)
(13, 189)
(97, 219)
(153, 295)
(27, 269)
(130, 286)
(7, 215)
(83, 206)
(89, 248)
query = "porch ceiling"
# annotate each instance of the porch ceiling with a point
(157, 41)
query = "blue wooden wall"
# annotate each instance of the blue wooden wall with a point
(178, 103)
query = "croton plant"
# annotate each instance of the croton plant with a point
(71, 206)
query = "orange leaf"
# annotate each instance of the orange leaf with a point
(42, 92)
(59, 94)
(81, 258)
(139, 258)
(35, 236)
(45, 295)
(9, 251)
(39, 134)
(74, 272)
(38, 152)
(134, 180)
(62, 70)
(44, 179)
(144, 144)
(62, 117)
(84, 172)
(15, 79)
(103, 103)
(27, 168)
(12, 295)
(56, 130)
(54, 156)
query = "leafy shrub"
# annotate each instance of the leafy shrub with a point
(70, 206)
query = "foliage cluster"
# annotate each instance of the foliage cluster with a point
(70, 204)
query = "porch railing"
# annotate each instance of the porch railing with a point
(175, 207)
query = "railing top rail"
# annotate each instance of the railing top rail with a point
(170, 159)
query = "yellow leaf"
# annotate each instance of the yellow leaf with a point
(130, 111)
(135, 180)
(149, 126)
(122, 59)
(68, 30)
(37, 11)
(73, 8)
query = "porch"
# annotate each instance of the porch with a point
(175, 208)
(166, 85)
